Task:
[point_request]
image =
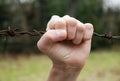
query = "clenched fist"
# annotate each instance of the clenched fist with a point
(67, 43)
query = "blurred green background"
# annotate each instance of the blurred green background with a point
(20, 60)
(101, 66)
(34, 14)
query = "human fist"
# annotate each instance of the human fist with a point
(67, 41)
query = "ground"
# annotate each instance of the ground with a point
(101, 66)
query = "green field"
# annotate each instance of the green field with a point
(101, 66)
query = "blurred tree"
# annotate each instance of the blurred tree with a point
(30, 14)
(72, 7)
(43, 12)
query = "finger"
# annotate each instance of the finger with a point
(79, 33)
(60, 24)
(88, 31)
(71, 26)
(51, 23)
(50, 37)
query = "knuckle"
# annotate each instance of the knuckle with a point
(72, 22)
(89, 26)
(66, 16)
(53, 21)
(55, 16)
(60, 24)
(81, 27)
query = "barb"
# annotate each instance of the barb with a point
(107, 36)
(14, 32)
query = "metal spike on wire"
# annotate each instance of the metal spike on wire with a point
(15, 32)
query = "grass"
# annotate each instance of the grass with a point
(101, 66)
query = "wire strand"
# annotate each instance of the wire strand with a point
(14, 32)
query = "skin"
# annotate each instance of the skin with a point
(67, 43)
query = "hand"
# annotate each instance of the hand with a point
(67, 42)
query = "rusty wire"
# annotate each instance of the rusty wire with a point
(14, 32)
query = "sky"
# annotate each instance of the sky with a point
(113, 4)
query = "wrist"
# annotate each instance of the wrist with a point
(66, 73)
(66, 67)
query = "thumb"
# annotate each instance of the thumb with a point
(51, 37)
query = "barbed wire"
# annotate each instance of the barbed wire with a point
(16, 32)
